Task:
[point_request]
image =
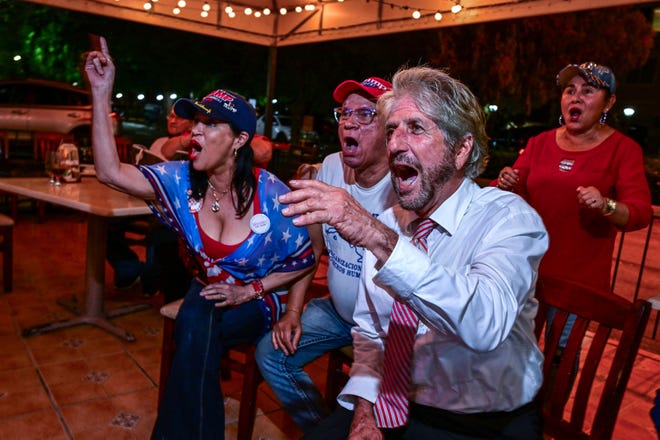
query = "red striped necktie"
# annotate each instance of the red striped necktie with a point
(391, 408)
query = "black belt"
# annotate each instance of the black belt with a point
(484, 424)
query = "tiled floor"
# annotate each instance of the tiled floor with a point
(83, 383)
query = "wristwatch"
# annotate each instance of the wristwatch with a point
(610, 207)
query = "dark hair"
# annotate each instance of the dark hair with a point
(243, 182)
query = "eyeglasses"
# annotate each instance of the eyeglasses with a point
(364, 115)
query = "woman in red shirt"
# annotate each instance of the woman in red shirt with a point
(585, 179)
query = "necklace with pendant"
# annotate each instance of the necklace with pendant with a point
(215, 206)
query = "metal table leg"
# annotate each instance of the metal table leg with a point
(93, 313)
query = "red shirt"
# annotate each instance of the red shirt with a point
(582, 239)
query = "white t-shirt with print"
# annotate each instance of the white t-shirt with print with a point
(346, 259)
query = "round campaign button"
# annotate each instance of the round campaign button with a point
(260, 223)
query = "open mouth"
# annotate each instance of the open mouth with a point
(574, 114)
(194, 150)
(350, 145)
(405, 175)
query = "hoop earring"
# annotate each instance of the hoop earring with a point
(561, 120)
(603, 118)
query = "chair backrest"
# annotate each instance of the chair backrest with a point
(48, 141)
(585, 410)
(4, 143)
(124, 149)
(307, 171)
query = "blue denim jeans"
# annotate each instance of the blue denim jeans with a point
(566, 331)
(323, 331)
(192, 406)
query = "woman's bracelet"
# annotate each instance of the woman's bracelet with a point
(259, 290)
(292, 309)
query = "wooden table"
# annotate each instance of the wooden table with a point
(101, 203)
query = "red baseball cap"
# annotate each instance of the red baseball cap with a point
(371, 88)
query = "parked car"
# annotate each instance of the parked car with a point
(514, 137)
(34, 105)
(281, 131)
(152, 113)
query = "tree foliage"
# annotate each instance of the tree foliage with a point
(25, 31)
(149, 59)
(516, 61)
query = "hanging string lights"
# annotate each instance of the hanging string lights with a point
(231, 9)
(204, 13)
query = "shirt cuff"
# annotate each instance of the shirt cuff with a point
(404, 270)
(358, 386)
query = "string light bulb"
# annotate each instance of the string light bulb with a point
(147, 6)
(308, 7)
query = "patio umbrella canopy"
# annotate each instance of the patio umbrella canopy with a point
(277, 23)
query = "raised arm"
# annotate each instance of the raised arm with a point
(173, 145)
(100, 71)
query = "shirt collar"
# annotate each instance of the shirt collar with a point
(449, 214)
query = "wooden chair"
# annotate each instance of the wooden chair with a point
(7, 249)
(241, 359)
(4, 141)
(124, 149)
(8, 198)
(231, 362)
(655, 305)
(339, 364)
(622, 235)
(136, 231)
(592, 412)
(48, 141)
(307, 171)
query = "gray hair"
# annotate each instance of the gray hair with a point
(447, 102)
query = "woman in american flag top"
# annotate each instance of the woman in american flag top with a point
(252, 264)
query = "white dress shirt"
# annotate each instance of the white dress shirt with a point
(475, 349)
